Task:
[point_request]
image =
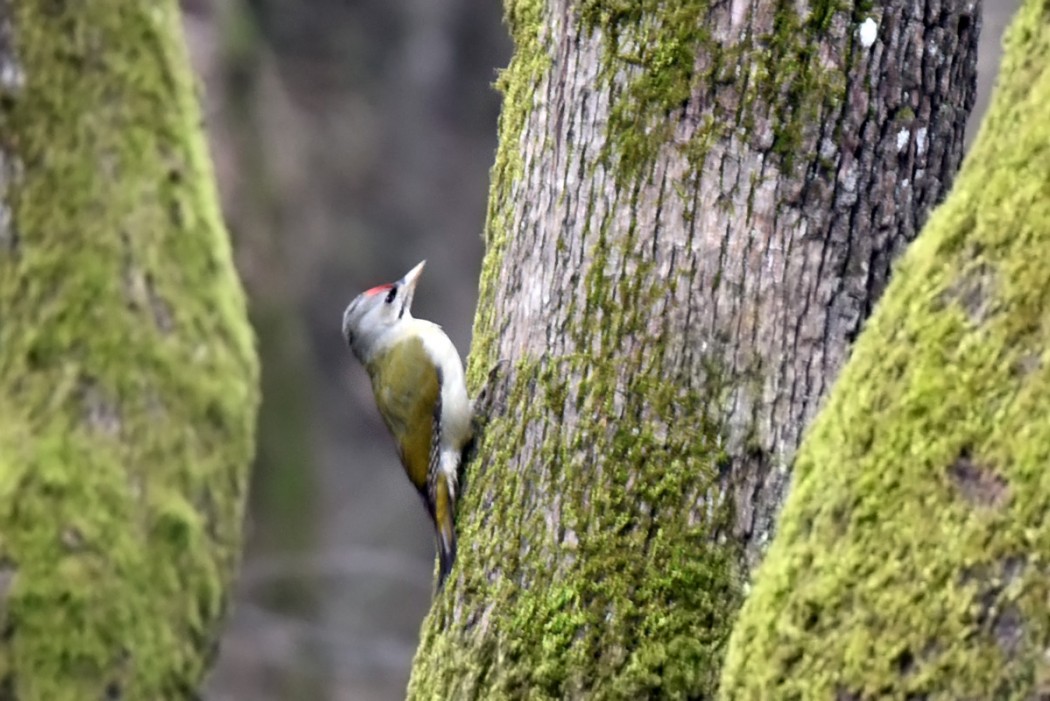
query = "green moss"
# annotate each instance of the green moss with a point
(658, 625)
(911, 556)
(531, 59)
(127, 372)
(659, 45)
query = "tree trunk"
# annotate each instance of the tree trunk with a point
(910, 558)
(127, 370)
(693, 208)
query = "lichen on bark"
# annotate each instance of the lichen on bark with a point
(782, 84)
(127, 368)
(911, 556)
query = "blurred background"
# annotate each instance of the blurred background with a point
(351, 139)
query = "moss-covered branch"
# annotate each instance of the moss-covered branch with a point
(127, 369)
(912, 555)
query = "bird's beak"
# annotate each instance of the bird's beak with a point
(409, 282)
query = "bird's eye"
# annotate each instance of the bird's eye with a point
(391, 294)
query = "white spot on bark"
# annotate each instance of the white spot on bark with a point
(902, 139)
(570, 541)
(849, 179)
(101, 412)
(738, 13)
(12, 78)
(827, 149)
(869, 30)
(920, 141)
(7, 235)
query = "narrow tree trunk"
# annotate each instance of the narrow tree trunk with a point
(911, 557)
(127, 372)
(693, 208)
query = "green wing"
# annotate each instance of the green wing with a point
(407, 388)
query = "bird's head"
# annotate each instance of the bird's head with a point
(376, 311)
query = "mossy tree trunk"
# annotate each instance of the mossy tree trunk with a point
(127, 370)
(911, 560)
(694, 206)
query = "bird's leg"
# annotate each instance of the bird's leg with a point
(482, 409)
(482, 404)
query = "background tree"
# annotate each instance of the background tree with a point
(911, 558)
(692, 211)
(127, 372)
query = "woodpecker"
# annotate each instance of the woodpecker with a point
(419, 387)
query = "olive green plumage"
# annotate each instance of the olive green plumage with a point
(407, 390)
(407, 387)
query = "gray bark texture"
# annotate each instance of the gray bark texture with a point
(693, 210)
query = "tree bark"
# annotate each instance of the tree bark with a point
(693, 208)
(911, 556)
(127, 370)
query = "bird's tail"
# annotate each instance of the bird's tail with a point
(444, 524)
